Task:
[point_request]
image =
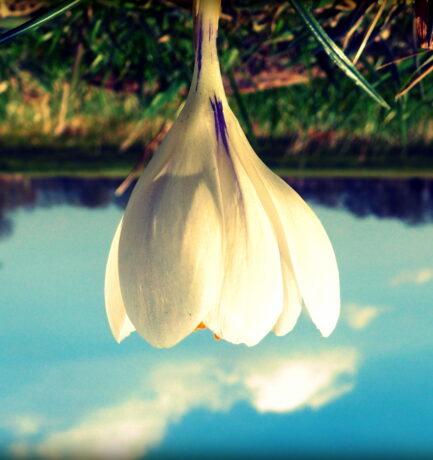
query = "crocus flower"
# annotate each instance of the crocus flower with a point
(211, 237)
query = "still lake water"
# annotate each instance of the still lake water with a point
(67, 388)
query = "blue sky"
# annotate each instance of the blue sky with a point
(66, 384)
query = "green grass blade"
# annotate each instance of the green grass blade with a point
(336, 54)
(34, 23)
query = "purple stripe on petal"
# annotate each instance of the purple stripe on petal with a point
(220, 123)
(221, 133)
(216, 122)
(199, 55)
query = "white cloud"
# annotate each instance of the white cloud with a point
(421, 276)
(302, 382)
(128, 429)
(360, 316)
(22, 425)
(123, 431)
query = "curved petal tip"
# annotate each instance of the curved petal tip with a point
(119, 321)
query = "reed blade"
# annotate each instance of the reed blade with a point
(336, 54)
(34, 23)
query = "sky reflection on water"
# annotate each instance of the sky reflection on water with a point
(68, 387)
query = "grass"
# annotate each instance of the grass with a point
(306, 126)
(76, 97)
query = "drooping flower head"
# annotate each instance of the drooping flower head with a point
(211, 236)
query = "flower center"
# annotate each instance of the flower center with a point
(203, 326)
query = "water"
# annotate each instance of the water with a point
(67, 387)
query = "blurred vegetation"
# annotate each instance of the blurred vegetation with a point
(97, 84)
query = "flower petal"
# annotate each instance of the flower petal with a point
(310, 252)
(292, 303)
(119, 322)
(170, 255)
(312, 256)
(252, 292)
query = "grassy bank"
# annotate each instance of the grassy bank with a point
(77, 98)
(107, 161)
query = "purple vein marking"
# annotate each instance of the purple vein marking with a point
(220, 123)
(199, 49)
(222, 135)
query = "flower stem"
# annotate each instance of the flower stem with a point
(207, 76)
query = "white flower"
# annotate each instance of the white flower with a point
(211, 236)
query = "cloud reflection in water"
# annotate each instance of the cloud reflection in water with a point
(62, 374)
(130, 428)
